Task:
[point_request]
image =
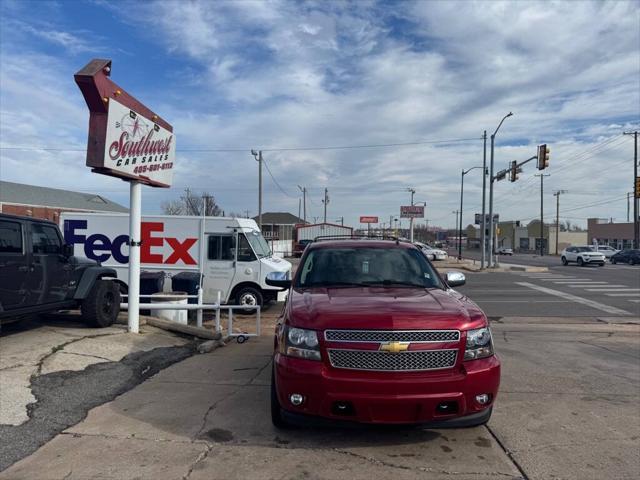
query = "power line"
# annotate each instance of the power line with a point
(273, 149)
(274, 179)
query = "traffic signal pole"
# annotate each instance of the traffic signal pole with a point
(542, 175)
(636, 191)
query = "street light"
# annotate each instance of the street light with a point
(491, 227)
(464, 172)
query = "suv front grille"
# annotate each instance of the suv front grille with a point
(377, 336)
(410, 361)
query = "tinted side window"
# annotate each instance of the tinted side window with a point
(245, 253)
(45, 239)
(221, 247)
(10, 237)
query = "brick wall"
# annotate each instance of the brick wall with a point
(46, 213)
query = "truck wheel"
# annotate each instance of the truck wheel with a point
(102, 305)
(249, 296)
(276, 409)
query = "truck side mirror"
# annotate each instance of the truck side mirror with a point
(278, 279)
(456, 279)
(67, 250)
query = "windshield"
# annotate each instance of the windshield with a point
(258, 243)
(357, 266)
(585, 249)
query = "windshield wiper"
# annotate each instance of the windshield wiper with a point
(335, 284)
(394, 282)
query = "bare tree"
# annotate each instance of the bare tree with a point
(191, 204)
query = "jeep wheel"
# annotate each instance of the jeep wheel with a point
(276, 409)
(101, 307)
(248, 296)
(564, 261)
(580, 262)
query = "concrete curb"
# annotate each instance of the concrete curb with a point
(502, 268)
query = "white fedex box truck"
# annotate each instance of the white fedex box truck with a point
(230, 253)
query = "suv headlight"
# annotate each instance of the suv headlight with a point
(479, 344)
(301, 343)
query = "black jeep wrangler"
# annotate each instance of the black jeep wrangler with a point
(39, 274)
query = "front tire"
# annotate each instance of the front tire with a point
(249, 296)
(580, 262)
(276, 410)
(564, 261)
(101, 307)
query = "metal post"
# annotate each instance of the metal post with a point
(483, 238)
(218, 327)
(541, 215)
(557, 194)
(200, 302)
(411, 219)
(325, 201)
(135, 213)
(260, 190)
(491, 204)
(460, 229)
(636, 220)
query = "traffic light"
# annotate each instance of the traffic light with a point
(513, 171)
(637, 192)
(543, 156)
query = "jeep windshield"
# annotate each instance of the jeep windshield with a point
(367, 266)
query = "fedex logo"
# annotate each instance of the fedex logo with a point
(101, 248)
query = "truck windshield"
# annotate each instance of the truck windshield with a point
(258, 243)
(370, 266)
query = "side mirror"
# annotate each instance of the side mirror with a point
(67, 250)
(456, 279)
(279, 279)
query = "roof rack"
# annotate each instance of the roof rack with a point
(355, 236)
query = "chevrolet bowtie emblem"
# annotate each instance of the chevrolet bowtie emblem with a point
(394, 347)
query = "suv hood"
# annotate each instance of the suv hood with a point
(382, 308)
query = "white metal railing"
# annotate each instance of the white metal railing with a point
(200, 307)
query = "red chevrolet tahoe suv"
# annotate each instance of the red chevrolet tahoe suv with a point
(371, 333)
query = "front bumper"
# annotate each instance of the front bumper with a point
(386, 397)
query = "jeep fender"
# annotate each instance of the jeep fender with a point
(89, 278)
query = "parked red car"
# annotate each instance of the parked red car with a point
(371, 333)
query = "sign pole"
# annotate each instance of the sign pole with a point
(135, 207)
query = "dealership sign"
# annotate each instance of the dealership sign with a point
(126, 139)
(412, 211)
(368, 219)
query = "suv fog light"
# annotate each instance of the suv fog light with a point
(483, 399)
(296, 399)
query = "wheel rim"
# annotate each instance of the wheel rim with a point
(108, 302)
(248, 299)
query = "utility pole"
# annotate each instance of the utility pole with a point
(246, 212)
(412, 191)
(304, 202)
(325, 201)
(636, 220)
(341, 220)
(461, 199)
(483, 238)
(628, 205)
(542, 175)
(491, 226)
(457, 212)
(299, 207)
(557, 195)
(258, 156)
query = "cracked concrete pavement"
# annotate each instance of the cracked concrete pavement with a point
(568, 408)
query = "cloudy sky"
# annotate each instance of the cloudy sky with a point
(409, 87)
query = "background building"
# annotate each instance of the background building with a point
(278, 225)
(618, 235)
(47, 203)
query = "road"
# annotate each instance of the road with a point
(613, 290)
(517, 258)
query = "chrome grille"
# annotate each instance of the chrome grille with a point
(378, 336)
(410, 361)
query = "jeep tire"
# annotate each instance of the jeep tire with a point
(101, 307)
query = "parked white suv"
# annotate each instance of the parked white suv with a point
(582, 255)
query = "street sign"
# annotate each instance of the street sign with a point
(369, 220)
(412, 211)
(126, 139)
(478, 218)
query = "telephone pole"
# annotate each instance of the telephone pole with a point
(557, 195)
(304, 203)
(542, 175)
(456, 212)
(412, 191)
(258, 156)
(483, 223)
(325, 201)
(636, 194)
